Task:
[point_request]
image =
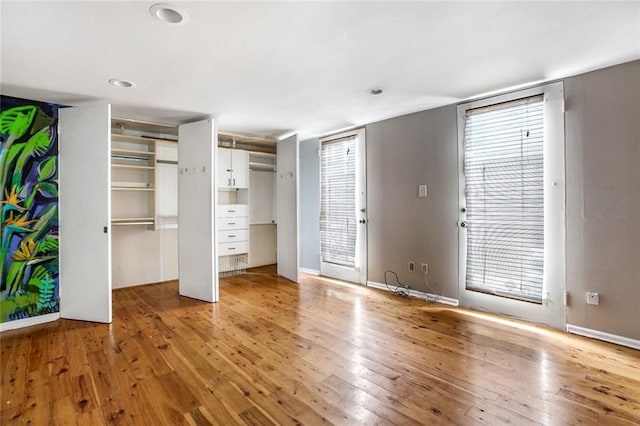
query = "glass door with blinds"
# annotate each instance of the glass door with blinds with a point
(512, 205)
(343, 218)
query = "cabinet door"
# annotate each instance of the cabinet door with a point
(224, 168)
(287, 205)
(240, 167)
(197, 204)
(85, 213)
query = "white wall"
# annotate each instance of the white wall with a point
(143, 256)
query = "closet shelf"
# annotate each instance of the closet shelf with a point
(262, 166)
(122, 221)
(131, 166)
(259, 154)
(131, 188)
(116, 151)
(130, 138)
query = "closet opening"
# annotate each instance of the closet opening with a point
(144, 202)
(247, 224)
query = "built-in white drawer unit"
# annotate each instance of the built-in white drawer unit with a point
(233, 235)
(225, 249)
(233, 210)
(230, 223)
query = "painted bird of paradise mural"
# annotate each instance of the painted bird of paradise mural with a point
(29, 215)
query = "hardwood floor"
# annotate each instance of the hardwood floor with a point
(272, 352)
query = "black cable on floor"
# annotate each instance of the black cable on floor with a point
(401, 289)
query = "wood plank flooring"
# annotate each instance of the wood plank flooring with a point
(273, 352)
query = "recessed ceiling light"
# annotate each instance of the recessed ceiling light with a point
(169, 13)
(375, 91)
(122, 83)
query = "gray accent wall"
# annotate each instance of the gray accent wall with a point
(602, 123)
(310, 205)
(602, 142)
(403, 153)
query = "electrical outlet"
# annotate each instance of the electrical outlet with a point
(593, 298)
(424, 267)
(422, 191)
(412, 266)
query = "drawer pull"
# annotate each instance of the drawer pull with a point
(231, 248)
(231, 211)
(231, 223)
(232, 236)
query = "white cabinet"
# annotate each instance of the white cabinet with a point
(233, 236)
(233, 168)
(233, 210)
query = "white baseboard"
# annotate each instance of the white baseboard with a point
(310, 271)
(601, 335)
(429, 297)
(40, 319)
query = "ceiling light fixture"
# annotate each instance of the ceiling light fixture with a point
(375, 91)
(122, 83)
(169, 13)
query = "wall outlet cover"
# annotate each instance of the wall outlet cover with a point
(593, 298)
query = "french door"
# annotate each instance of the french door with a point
(511, 219)
(343, 200)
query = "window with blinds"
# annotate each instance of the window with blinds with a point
(503, 171)
(337, 201)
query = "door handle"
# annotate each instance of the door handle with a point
(234, 182)
(229, 184)
(363, 221)
(463, 224)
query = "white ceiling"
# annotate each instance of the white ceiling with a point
(270, 68)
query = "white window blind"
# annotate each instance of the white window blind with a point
(337, 203)
(503, 169)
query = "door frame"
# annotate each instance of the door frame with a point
(359, 274)
(552, 311)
